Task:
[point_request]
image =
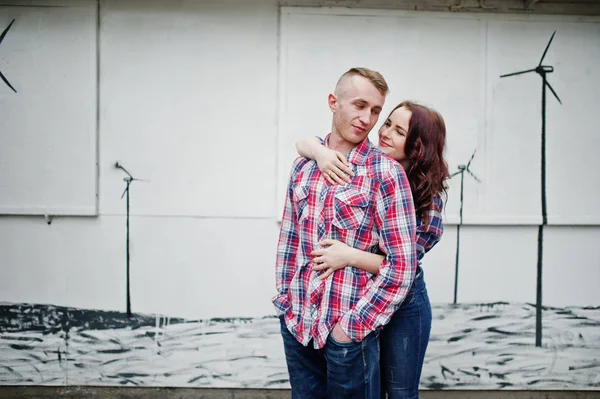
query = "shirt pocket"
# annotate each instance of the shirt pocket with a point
(300, 198)
(350, 208)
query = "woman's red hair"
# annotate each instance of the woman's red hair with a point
(424, 147)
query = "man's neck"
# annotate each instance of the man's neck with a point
(337, 143)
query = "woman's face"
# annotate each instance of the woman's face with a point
(393, 133)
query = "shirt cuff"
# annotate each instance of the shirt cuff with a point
(354, 326)
(282, 304)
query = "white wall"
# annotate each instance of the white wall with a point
(185, 267)
(189, 100)
(500, 264)
(453, 63)
(48, 146)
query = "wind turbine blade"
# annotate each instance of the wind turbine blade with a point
(471, 160)
(142, 180)
(126, 188)
(553, 92)
(6, 31)
(455, 173)
(473, 176)
(7, 82)
(547, 47)
(517, 73)
(125, 170)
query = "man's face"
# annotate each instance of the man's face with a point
(356, 109)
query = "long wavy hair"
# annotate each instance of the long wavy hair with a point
(424, 147)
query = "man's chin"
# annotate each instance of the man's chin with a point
(357, 137)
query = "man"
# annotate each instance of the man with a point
(331, 327)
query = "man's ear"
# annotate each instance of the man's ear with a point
(332, 101)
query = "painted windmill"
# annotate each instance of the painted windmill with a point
(128, 180)
(541, 70)
(1, 39)
(462, 169)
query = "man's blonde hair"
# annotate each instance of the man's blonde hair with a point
(372, 76)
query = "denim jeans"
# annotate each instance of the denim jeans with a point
(404, 342)
(339, 370)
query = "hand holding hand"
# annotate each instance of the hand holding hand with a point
(334, 256)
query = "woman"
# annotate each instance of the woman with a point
(415, 136)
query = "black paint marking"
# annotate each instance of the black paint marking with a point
(115, 351)
(36, 6)
(504, 361)
(461, 171)
(10, 369)
(129, 375)
(216, 332)
(196, 379)
(457, 338)
(20, 347)
(436, 386)
(587, 366)
(446, 370)
(247, 357)
(1, 39)
(36, 357)
(589, 323)
(232, 319)
(499, 331)
(277, 382)
(50, 319)
(88, 337)
(216, 376)
(541, 70)
(110, 361)
(484, 318)
(470, 373)
(125, 382)
(504, 384)
(34, 339)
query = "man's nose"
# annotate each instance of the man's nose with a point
(365, 117)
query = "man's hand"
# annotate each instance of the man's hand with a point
(339, 335)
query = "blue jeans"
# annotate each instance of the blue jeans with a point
(404, 342)
(339, 370)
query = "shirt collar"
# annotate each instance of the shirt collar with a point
(359, 154)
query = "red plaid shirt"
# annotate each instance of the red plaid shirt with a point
(374, 213)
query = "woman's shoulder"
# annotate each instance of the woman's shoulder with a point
(437, 203)
(434, 217)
